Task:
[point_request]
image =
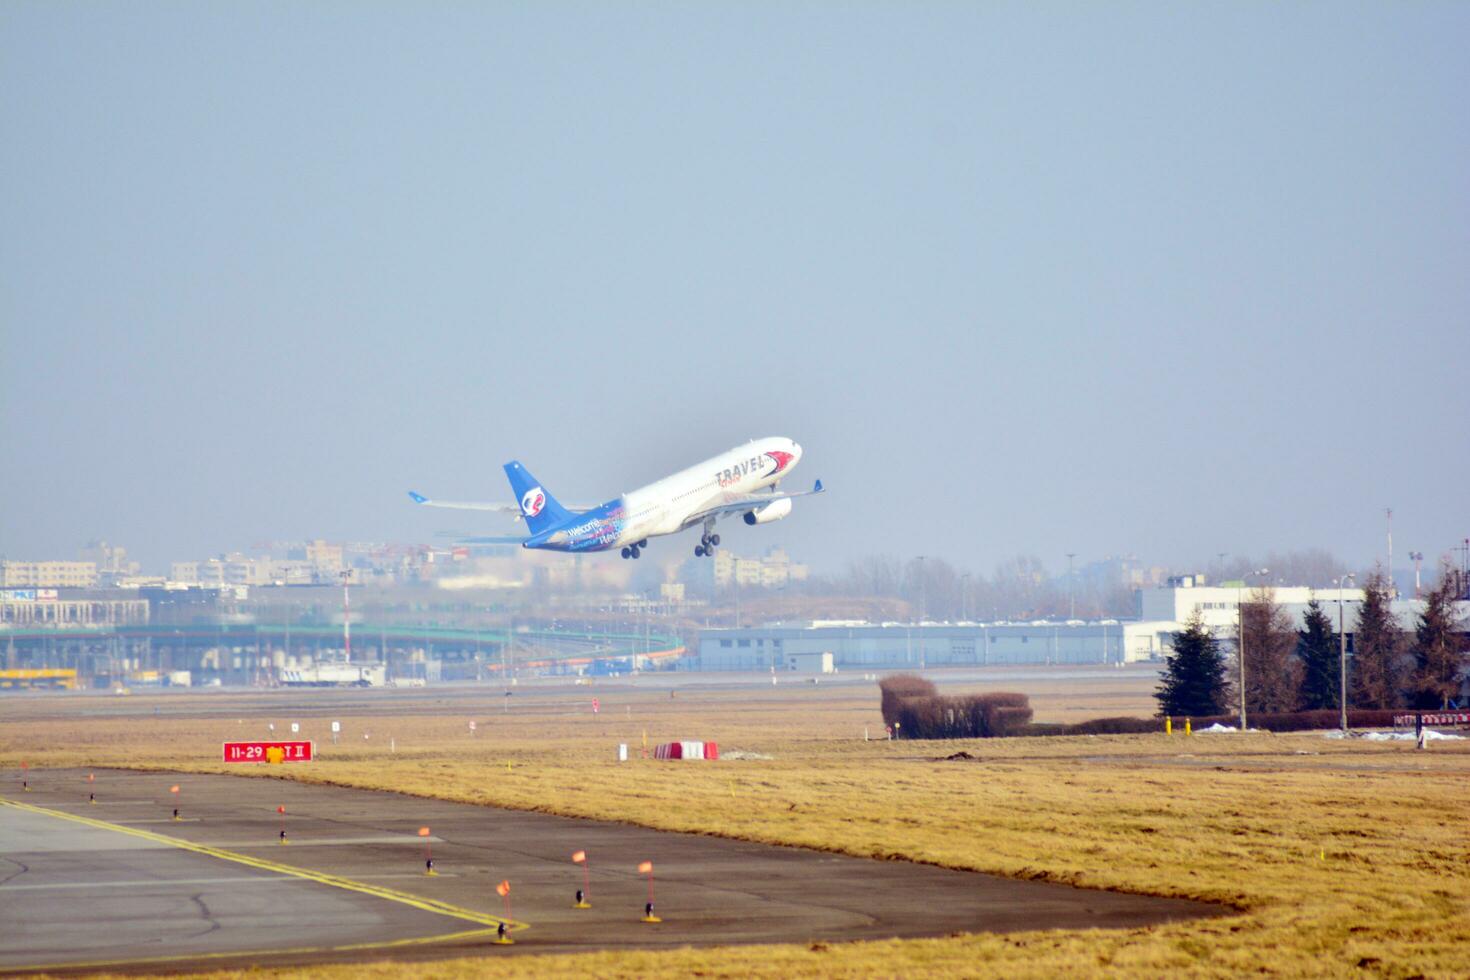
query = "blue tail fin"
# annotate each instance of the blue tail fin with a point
(538, 506)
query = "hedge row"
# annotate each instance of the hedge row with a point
(914, 708)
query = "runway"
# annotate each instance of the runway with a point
(120, 884)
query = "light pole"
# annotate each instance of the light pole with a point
(1417, 557)
(1071, 587)
(1240, 645)
(1393, 592)
(922, 612)
(1342, 654)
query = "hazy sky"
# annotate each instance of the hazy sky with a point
(1165, 279)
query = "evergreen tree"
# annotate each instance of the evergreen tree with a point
(1194, 674)
(1376, 674)
(1317, 647)
(1439, 649)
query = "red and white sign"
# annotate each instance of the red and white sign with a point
(260, 751)
(1456, 718)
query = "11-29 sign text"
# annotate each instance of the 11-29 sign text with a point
(260, 751)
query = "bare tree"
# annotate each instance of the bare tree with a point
(1022, 588)
(1316, 567)
(874, 575)
(1305, 566)
(1273, 674)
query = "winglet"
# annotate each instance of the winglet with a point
(818, 487)
(417, 498)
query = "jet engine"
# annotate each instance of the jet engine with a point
(773, 511)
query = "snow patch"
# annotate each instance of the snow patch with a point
(1429, 736)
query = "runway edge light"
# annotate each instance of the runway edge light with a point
(503, 890)
(428, 852)
(580, 857)
(646, 868)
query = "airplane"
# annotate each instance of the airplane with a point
(741, 481)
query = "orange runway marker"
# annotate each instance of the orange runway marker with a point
(428, 852)
(580, 857)
(501, 938)
(646, 868)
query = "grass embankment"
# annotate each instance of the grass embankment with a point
(1340, 856)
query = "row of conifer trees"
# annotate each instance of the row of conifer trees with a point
(1298, 670)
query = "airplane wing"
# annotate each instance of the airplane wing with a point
(749, 501)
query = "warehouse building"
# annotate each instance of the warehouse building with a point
(860, 645)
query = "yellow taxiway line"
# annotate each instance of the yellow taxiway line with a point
(490, 924)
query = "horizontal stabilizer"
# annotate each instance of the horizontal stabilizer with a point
(419, 498)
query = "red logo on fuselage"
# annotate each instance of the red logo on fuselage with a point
(754, 465)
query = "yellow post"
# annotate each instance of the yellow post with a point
(1188, 728)
(1168, 725)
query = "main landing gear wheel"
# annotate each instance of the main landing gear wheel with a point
(643, 543)
(699, 551)
(627, 552)
(714, 539)
(634, 551)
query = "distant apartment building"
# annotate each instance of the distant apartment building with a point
(326, 558)
(773, 571)
(48, 574)
(112, 562)
(316, 563)
(226, 570)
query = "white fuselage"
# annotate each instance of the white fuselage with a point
(665, 507)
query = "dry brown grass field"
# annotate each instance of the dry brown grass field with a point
(1341, 857)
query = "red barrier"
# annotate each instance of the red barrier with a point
(687, 750)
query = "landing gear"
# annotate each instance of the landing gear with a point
(708, 541)
(631, 551)
(634, 550)
(643, 543)
(627, 552)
